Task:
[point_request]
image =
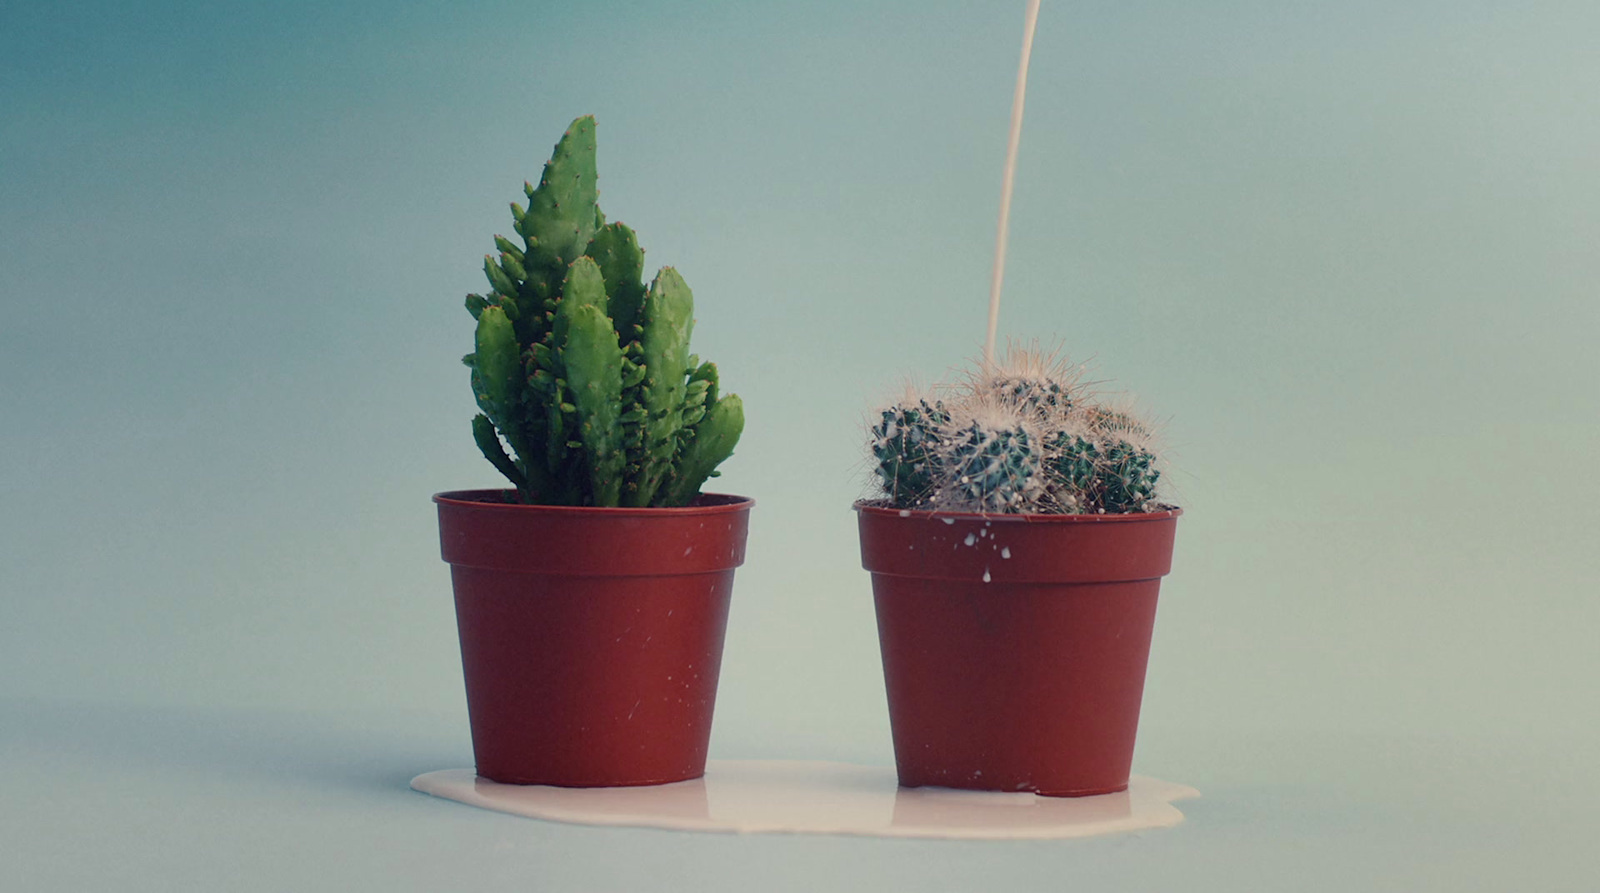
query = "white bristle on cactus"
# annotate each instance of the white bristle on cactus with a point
(1019, 436)
(990, 459)
(1035, 380)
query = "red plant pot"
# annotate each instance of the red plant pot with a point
(1014, 646)
(591, 638)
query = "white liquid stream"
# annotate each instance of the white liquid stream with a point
(1002, 231)
(790, 796)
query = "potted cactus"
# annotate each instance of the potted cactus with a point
(1016, 550)
(592, 595)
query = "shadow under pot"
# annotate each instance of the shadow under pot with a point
(1015, 646)
(591, 638)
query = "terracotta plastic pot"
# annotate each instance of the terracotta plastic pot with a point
(1014, 646)
(591, 638)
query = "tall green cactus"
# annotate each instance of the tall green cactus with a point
(583, 372)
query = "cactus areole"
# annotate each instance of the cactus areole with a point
(579, 368)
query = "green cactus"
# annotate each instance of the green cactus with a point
(903, 443)
(1021, 436)
(990, 467)
(1037, 395)
(703, 448)
(1101, 472)
(1032, 380)
(1074, 466)
(666, 320)
(1127, 480)
(583, 372)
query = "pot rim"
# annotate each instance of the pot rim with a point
(865, 506)
(488, 500)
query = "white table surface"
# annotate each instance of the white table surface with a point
(123, 798)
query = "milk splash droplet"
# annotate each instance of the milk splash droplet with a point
(986, 576)
(1005, 552)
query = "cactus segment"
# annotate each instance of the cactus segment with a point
(499, 280)
(1076, 460)
(616, 249)
(512, 268)
(496, 364)
(632, 373)
(667, 322)
(706, 372)
(990, 467)
(1128, 478)
(708, 445)
(583, 286)
(500, 388)
(489, 442)
(561, 214)
(1103, 472)
(1040, 396)
(593, 363)
(584, 373)
(903, 442)
(508, 247)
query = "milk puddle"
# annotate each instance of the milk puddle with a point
(807, 797)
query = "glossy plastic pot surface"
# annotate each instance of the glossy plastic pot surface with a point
(591, 638)
(1014, 646)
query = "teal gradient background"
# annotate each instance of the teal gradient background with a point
(1350, 252)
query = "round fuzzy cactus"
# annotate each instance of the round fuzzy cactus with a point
(1094, 470)
(989, 464)
(1032, 381)
(1040, 395)
(1022, 436)
(1074, 464)
(1127, 479)
(902, 443)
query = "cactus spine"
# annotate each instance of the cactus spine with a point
(991, 462)
(583, 372)
(903, 442)
(1021, 437)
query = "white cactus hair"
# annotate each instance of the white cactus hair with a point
(882, 426)
(1116, 425)
(1024, 434)
(1035, 378)
(998, 420)
(1031, 359)
(1121, 419)
(989, 411)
